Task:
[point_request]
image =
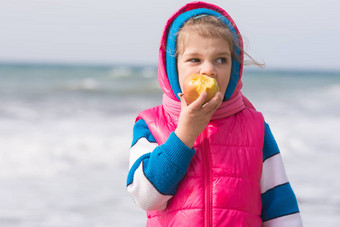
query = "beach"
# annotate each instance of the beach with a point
(66, 130)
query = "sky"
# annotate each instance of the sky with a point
(295, 34)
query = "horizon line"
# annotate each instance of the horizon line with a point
(137, 65)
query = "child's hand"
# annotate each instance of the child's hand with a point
(195, 117)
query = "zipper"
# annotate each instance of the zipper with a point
(207, 181)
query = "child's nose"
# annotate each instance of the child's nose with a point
(208, 69)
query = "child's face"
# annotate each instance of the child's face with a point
(208, 56)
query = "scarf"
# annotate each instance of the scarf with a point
(226, 109)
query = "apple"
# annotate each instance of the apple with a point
(195, 84)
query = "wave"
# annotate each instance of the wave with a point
(86, 84)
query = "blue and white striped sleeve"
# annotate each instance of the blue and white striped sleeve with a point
(155, 170)
(279, 204)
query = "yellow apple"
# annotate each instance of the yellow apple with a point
(195, 84)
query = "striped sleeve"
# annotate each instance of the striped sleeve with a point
(279, 204)
(155, 170)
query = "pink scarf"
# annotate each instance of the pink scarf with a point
(227, 108)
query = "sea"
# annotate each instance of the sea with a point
(66, 130)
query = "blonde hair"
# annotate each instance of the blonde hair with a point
(211, 27)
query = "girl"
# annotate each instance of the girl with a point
(213, 163)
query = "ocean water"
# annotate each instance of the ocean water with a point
(65, 133)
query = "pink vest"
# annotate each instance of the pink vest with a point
(222, 184)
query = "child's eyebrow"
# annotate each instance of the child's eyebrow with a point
(194, 53)
(191, 53)
(224, 53)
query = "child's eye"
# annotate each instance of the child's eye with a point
(194, 60)
(221, 60)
